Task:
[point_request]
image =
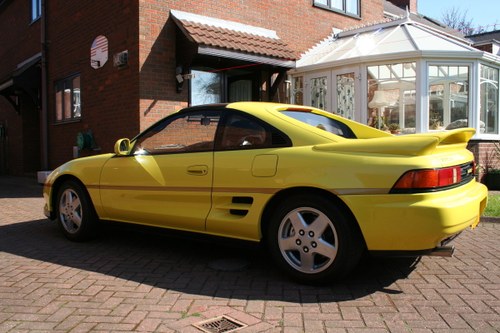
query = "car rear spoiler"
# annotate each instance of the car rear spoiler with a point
(411, 144)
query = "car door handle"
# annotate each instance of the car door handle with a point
(197, 170)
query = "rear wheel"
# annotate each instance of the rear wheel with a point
(75, 214)
(314, 240)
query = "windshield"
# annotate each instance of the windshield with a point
(322, 122)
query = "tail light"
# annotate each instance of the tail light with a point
(427, 180)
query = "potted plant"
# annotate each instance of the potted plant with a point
(394, 128)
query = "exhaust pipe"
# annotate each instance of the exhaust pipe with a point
(443, 251)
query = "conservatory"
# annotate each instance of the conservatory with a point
(402, 76)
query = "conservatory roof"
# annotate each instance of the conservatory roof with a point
(400, 38)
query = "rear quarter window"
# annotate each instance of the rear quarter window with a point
(319, 121)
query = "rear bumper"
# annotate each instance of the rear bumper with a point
(417, 222)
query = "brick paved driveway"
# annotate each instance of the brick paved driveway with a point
(136, 280)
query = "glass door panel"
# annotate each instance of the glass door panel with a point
(346, 94)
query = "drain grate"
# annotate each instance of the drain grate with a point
(221, 324)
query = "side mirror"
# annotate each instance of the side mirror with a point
(122, 147)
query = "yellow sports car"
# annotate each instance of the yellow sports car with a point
(317, 189)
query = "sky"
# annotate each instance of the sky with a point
(485, 13)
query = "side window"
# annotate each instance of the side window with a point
(191, 132)
(244, 132)
(240, 132)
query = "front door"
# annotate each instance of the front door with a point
(166, 179)
(245, 164)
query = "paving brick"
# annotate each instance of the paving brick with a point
(129, 281)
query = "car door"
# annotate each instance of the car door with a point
(166, 179)
(245, 167)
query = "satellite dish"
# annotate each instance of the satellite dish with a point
(99, 52)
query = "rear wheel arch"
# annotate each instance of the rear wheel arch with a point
(296, 191)
(311, 235)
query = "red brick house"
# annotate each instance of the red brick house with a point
(111, 68)
(149, 58)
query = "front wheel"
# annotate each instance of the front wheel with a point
(75, 214)
(313, 239)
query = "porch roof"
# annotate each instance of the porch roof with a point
(234, 40)
(396, 39)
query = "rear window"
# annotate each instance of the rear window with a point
(319, 121)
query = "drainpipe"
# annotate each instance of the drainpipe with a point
(44, 116)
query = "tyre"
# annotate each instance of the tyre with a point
(313, 239)
(75, 213)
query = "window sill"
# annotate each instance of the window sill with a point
(65, 122)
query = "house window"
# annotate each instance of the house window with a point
(448, 96)
(205, 87)
(391, 97)
(350, 7)
(209, 86)
(488, 95)
(68, 99)
(36, 9)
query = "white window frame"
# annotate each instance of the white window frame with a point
(473, 119)
(477, 117)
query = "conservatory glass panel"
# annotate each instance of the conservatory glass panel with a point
(391, 97)
(448, 96)
(346, 95)
(319, 91)
(298, 90)
(488, 95)
(427, 41)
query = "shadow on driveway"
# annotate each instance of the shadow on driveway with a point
(183, 264)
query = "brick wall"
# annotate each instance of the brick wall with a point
(109, 95)
(118, 102)
(19, 38)
(298, 23)
(19, 41)
(487, 156)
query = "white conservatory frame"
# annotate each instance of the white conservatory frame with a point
(402, 41)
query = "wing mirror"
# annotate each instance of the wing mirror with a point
(122, 147)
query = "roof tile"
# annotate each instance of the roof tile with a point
(239, 41)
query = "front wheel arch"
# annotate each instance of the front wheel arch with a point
(90, 216)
